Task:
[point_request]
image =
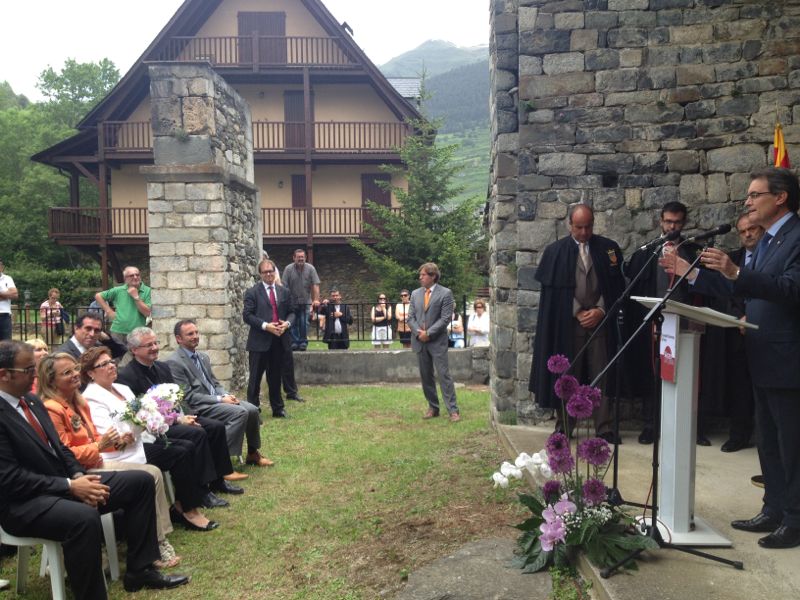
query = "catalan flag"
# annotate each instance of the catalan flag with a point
(781, 155)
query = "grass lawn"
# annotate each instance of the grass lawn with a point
(364, 491)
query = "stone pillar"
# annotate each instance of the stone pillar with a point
(203, 212)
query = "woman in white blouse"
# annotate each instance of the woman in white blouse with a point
(478, 328)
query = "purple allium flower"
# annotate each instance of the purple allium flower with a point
(580, 406)
(592, 393)
(594, 492)
(551, 490)
(561, 462)
(594, 451)
(557, 443)
(566, 386)
(557, 364)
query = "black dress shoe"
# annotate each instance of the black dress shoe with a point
(703, 440)
(610, 437)
(783, 537)
(152, 578)
(295, 397)
(226, 487)
(761, 523)
(757, 480)
(211, 500)
(733, 445)
(647, 436)
(280, 415)
(179, 519)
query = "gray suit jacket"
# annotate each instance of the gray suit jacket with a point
(434, 320)
(186, 374)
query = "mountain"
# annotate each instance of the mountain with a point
(433, 57)
(460, 97)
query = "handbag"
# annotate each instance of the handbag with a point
(65, 318)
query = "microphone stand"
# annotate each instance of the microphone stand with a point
(653, 531)
(614, 495)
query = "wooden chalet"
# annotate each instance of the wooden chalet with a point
(324, 119)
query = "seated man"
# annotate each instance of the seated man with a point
(205, 396)
(208, 435)
(88, 333)
(45, 493)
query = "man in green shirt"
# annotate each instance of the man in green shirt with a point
(131, 304)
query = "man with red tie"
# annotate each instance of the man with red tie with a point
(269, 312)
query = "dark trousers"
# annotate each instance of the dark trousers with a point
(179, 459)
(337, 341)
(589, 365)
(287, 373)
(77, 526)
(205, 458)
(5, 326)
(739, 387)
(778, 431)
(268, 362)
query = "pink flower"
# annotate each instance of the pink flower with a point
(580, 406)
(557, 443)
(594, 451)
(557, 364)
(594, 492)
(565, 387)
(561, 463)
(565, 505)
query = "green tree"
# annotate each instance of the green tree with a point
(431, 226)
(72, 91)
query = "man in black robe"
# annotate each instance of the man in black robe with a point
(570, 310)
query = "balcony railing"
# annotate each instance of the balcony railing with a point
(121, 223)
(329, 137)
(254, 51)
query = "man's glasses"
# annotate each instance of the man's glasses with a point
(382, 298)
(27, 370)
(104, 364)
(268, 271)
(755, 195)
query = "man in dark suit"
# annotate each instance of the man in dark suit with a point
(337, 317)
(269, 311)
(45, 493)
(207, 435)
(581, 276)
(88, 333)
(205, 396)
(428, 316)
(771, 286)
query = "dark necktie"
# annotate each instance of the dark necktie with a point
(274, 303)
(761, 250)
(206, 380)
(32, 420)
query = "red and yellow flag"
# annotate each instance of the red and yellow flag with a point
(781, 155)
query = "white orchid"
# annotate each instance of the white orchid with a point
(500, 480)
(522, 460)
(509, 470)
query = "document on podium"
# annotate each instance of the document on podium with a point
(701, 314)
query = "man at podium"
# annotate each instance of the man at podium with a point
(770, 283)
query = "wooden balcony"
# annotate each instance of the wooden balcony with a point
(329, 137)
(83, 226)
(258, 52)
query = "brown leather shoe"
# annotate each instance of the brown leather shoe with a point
(257, 460)
(431, 414)
(235, 476)
(455, 418)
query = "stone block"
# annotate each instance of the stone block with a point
(654, 113)
(637, 18)
(700, 109)
(544, 41)
(603, 134)
(174, 191)
(159, 206)
(543, 86)
(163, 249)
(207, 297)
(610, 163)
(166, 296)
(630, 57)
(762, 84)
(184, 280)
(627, 37)
(659, 57)
(155, 191)
(178, 234)
(715, 90)
(173, 151)
(665, 18)
(602, 59)
(220, 312)
(168, 263)
(562, 163)
(633, 199)
(683, 161)
(551, 210)
(165, 116)
(716, 188)
(657, 197)
(710, 127)
(736, 71)
(724, 52)
(650, 162)
(583, 39)
(534, 182)
(627, 98)
(586, 100)
(692, 34)
(656, 78)
(208, 264)
(567, 62)
(569, 20)
(201, 220)
(694, 74)
(693, 190)
(527, 18)
(618, 80)
(201, 86)
(204, 191)
(540, 116)
(619, 5)
(535, 235)
(739, 158)
(741, 105)
(530, 65)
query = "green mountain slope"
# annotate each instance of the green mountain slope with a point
(432, 57)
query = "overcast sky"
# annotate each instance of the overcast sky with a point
(42, 33)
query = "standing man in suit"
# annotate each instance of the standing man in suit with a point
(770, 285)
(581, 276)
(88, 333)
(45, 493)
(337, 317)
(269, 312)
(205, 396)
(428, 316)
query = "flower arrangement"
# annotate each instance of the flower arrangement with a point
(156, 409)
(570, 511)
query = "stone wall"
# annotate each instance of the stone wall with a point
(624, 105)
(203, 212)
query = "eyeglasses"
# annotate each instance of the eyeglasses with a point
(132, 275)
(88, 329)
(673, 222)
(404, 295)
(755, 195)
(382, 298)
(104, 364)
(72, 371)
(27, 370)
(268, 271)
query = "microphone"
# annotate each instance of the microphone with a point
(721, 230)
(664, 237)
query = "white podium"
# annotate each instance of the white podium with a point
(677, 522)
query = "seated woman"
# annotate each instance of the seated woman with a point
(40, 350)
(59, 384)
(107, 399)
(455, 331)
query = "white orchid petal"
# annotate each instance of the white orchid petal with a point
(500, 480)
(522, 460)
(506, 468)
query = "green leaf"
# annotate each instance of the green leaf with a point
(540, 559)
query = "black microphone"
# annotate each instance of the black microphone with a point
(664, 237)
(721, 230)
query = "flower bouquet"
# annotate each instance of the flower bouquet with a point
(570, 511)
(155, 410)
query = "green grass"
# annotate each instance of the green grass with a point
(364, 491)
